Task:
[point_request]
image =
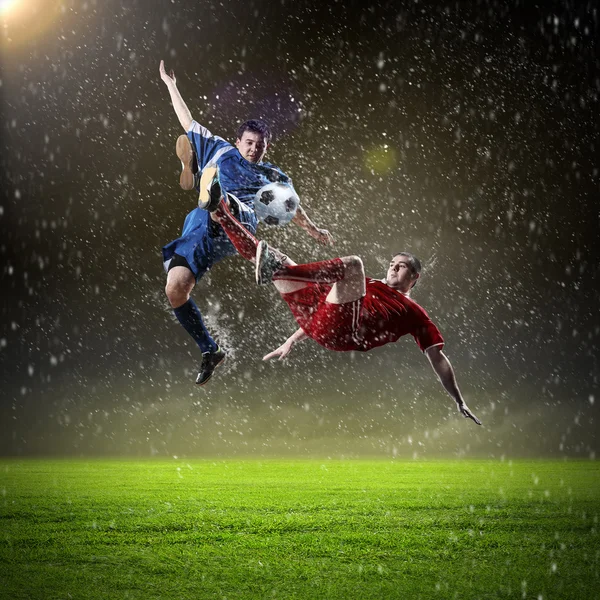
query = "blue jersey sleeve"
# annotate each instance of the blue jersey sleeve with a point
(208, 147)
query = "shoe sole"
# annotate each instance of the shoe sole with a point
(205, 200)
(261, 251)
(185, 154)
(213, 372)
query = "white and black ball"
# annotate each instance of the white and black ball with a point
(276, 203)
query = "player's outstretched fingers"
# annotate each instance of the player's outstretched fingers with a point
(468, 414)
(281, 352)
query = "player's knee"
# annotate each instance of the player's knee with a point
(177, 294)
(354, 266)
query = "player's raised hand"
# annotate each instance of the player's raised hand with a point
(465, 411)
(280, 353)
(323, 237)
(168, 78)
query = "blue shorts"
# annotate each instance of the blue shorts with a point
(203, 243)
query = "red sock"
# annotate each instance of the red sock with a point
(245, 243)
(326, 271)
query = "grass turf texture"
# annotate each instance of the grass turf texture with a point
(298, 529)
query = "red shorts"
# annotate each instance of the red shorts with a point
(333, 326)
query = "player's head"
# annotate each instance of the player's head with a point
(403, 272)
(253, 139)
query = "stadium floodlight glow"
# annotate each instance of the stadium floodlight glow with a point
(24, 21)
(6, 5)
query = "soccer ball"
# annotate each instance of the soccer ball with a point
(276, 203)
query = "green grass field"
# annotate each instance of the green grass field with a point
(299, 529)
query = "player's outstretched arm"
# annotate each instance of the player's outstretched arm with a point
(181, 109)
(443, 369)
(321, 235)
(287, 346)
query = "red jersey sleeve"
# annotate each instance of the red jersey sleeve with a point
(426, 333)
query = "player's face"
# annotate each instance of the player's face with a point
(252, 146)
(400, 275)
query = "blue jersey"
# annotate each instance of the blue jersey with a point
(238, 177)
(203, 243)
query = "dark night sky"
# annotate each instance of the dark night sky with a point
(468, 135)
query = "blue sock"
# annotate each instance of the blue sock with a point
(191, 319)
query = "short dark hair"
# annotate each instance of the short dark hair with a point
(256, 126)
(413, 261)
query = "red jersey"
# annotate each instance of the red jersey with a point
(380, 317)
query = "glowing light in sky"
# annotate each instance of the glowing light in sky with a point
(6, 5)
(381, 159)
(26, 20)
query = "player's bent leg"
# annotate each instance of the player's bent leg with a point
(352, 286)
(180, 283)
(326, 271)
(283, 286)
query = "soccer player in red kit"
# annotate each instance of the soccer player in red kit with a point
(336, 305)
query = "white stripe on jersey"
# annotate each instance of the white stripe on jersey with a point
(201, 130)
(217, 156)
(433, 346)
(356, 314)
(356, 305)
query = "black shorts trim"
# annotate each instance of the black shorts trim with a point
(179, 261)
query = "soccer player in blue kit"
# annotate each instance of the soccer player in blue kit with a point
(203, 242)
